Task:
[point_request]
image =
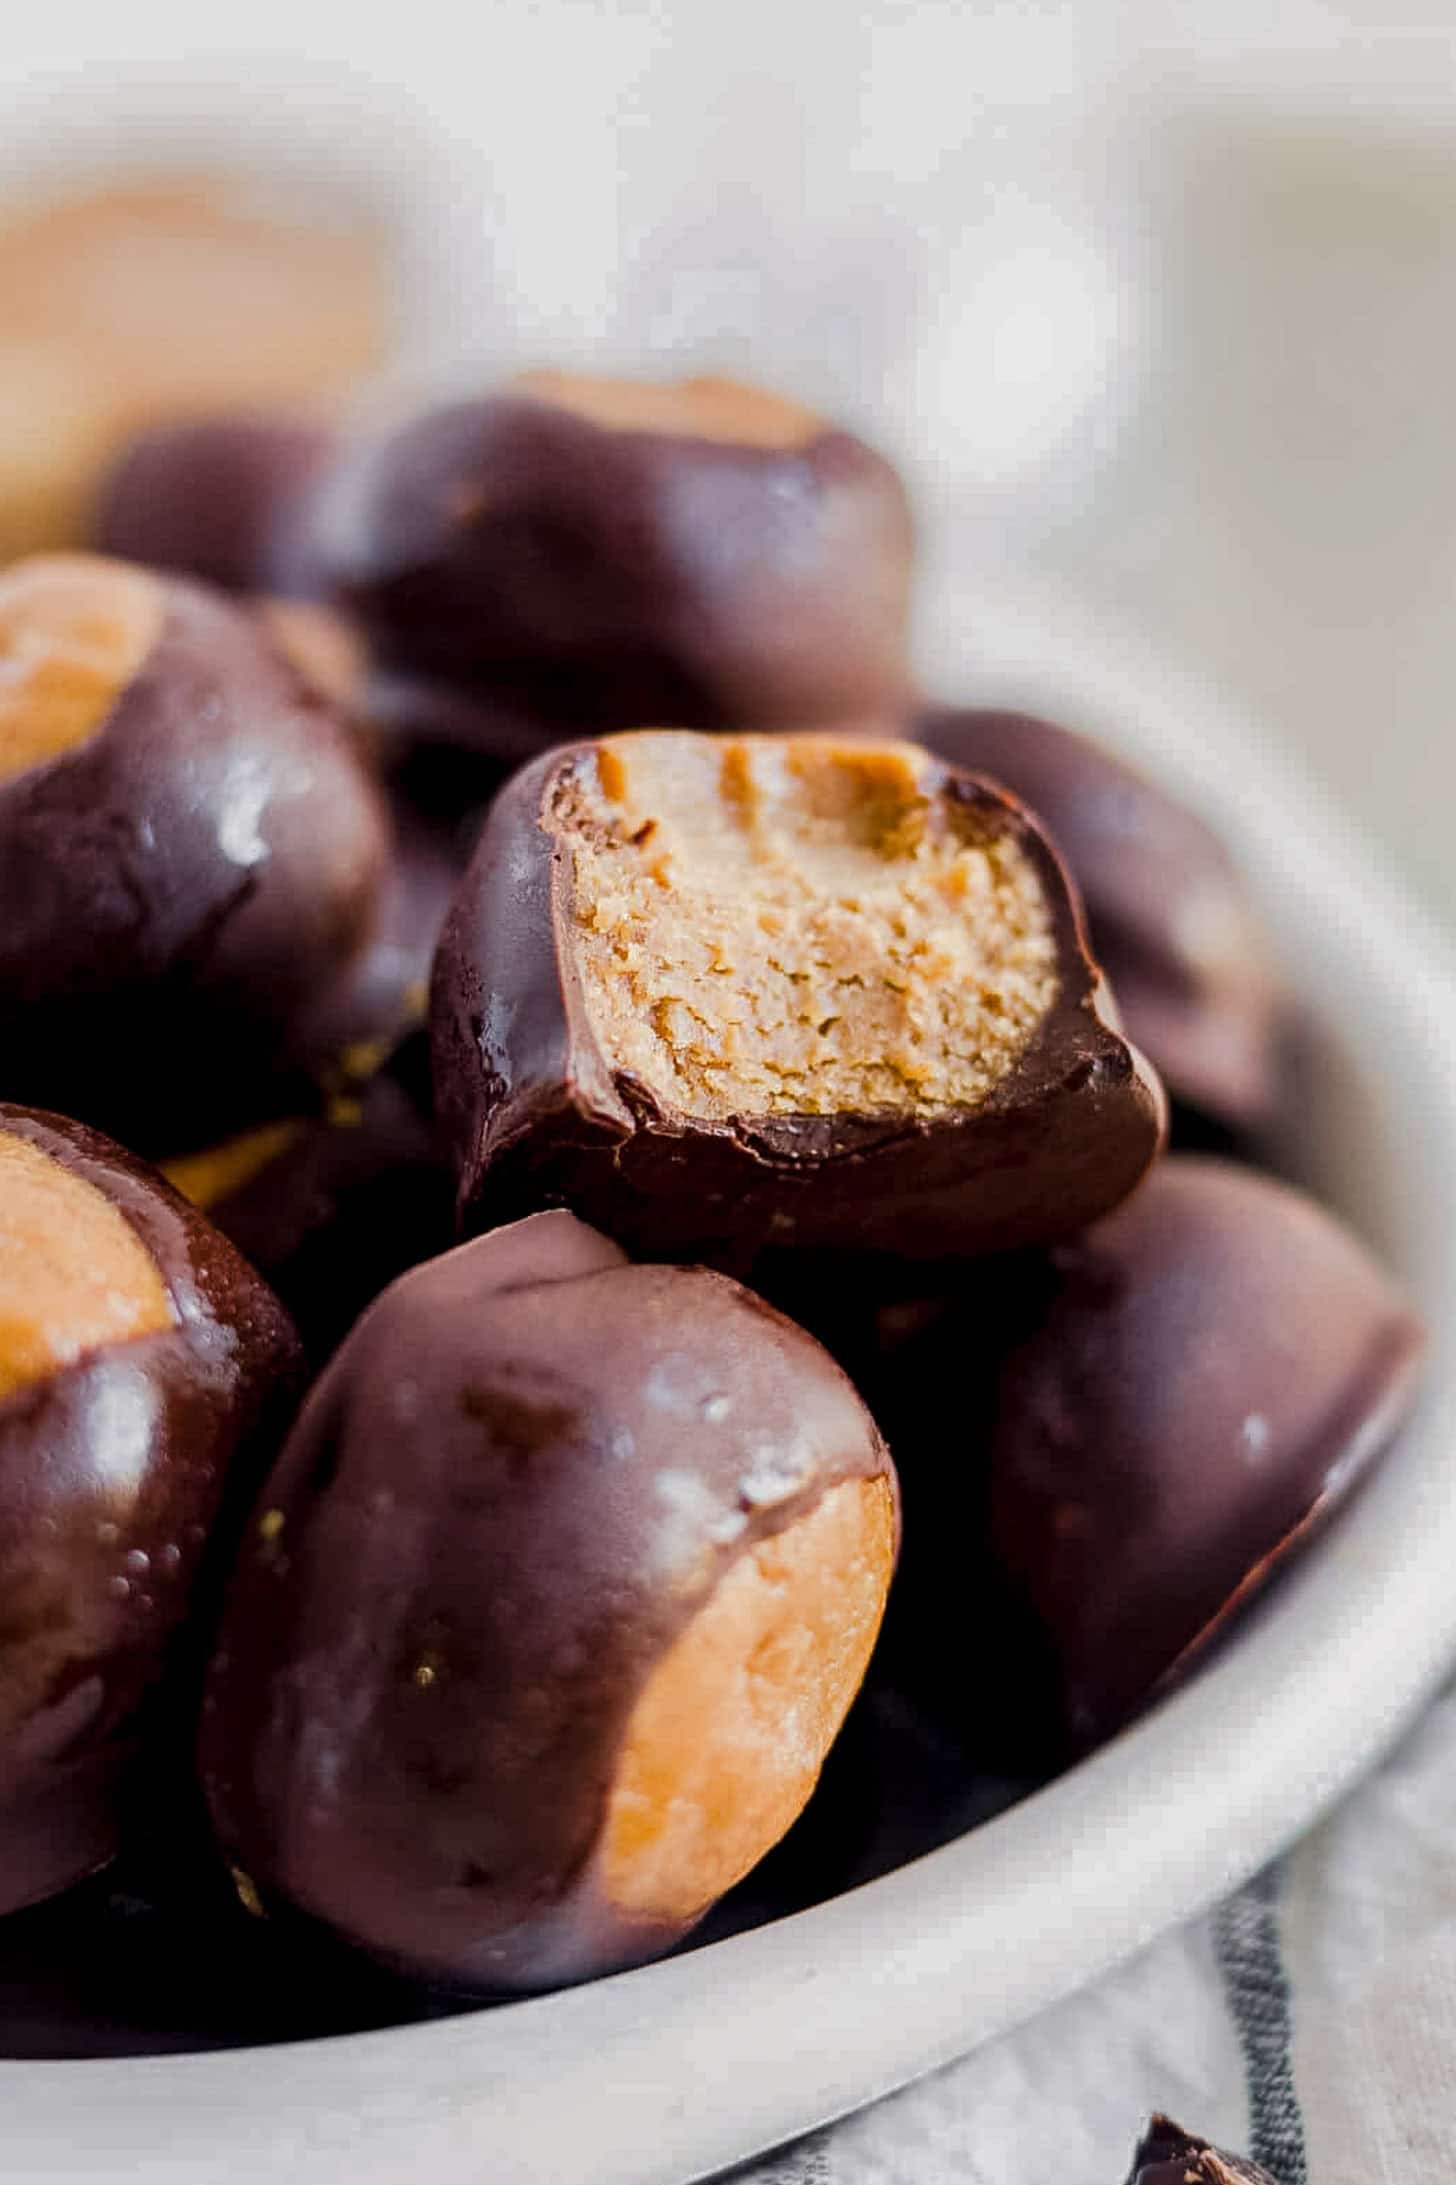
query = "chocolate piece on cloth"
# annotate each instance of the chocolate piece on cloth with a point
(1167, 2155)
(141, 1363)
(190, 851)
(726, 996)
(602, 553)
(1168, 915)
(1214, 1369)
(216, 498)
(549, 1613)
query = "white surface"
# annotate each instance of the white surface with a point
(673, 2070)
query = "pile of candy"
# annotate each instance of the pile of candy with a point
(521, 826)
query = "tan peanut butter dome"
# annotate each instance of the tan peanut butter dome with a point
(698, 409)
(74, 1274)
(74, 630)
(801, 926)
(726, 1741)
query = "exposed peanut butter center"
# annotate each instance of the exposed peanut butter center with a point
(694, 409)
(727, 1739)
(73, 1272)
(74, 630)
(800, 926)
(209, 1177)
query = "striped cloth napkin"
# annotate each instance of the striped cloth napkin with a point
(1310, 2021)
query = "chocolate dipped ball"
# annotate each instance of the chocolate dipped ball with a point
(548, 1615)
(1169, 918)
(217, 498)
(1167, 2155)
(607, 552)
(728, 996)
(140, 1359)
(190, 851)
(1214, 1368)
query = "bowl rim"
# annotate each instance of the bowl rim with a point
(684, 2067)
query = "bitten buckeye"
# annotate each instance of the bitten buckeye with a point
(549, 1614)
(140, 1360)
(728, 996)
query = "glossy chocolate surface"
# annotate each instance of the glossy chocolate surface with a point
(600, 578)
(1212, 1370)
(382, 996)
(177, 890)
(1169, 918)
(216, 498)
(524, 1474)
(112, 1473)
(534, 1113)
(1167, 2155)
(349, 1200)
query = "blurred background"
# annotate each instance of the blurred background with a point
(1156, 303)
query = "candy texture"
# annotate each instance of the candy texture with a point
(141, 1361)
(190, 851)
(1170, 920)
(735, 995)
(549, 1614)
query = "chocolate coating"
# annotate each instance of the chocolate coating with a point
(340, 1205)
(927, 1364)
(112, 1473)
(447, 750)
(522, 1478)
(600, 578)
(534, 1112)
(1215, 1367)
(1168, 915)
(381, 998)
(216, 498)
(177, 890)
(1167, 2155)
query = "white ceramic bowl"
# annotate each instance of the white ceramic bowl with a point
(664, 2074)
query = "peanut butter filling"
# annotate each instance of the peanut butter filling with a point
(73, 1272)
(692, 409)
(800, 926)
(209, 1177)
(727, 1739)
(74, 630)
